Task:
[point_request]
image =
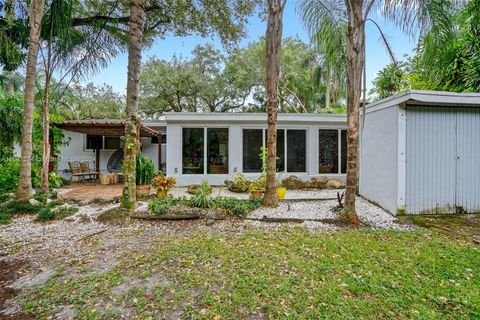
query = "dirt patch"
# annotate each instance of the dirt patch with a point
(11, 270)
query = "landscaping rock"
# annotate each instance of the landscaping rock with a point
(210, 222)
(335, 184)
(217, 214)
(193, 189)
(293, 182)
(239, 188)
(34, 202)
(317, 182)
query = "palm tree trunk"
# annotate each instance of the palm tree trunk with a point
(355, 59)
(46, 133)
(131, 148)
(273, 48)
(24, 191)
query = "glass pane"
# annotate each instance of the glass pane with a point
(296, 151)
(344, 150)
(217, 150)
(280, 149)
(112, 143)
(328, 151)
(252, 142)
(92, 142)
(192, 148)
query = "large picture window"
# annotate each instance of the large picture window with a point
(328, 151)
(217, 150)
(193, 151)
(296, 151)
(252, 142)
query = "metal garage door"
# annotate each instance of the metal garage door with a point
(443, 160)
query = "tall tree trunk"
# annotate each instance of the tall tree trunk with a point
(46, 132)
(273, 38)
(10, 74)
(24, 191)
(131, 148)
(355, 60)
(327, 93)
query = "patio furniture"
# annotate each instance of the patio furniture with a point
(85, 168)
(115, 162)
(76, 171)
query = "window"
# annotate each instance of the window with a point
(344, 151)
(328, 151)
(280, 149)
(91, 142)
(217, 150)
(252, 142)
(111, 143)
(296, 151)
(154, 140)
(193, 150)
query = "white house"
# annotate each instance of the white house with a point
(420, 153)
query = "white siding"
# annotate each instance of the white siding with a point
(378, 157)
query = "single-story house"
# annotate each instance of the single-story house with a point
(420, 153)
(419, 150)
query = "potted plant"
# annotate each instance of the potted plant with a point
(145, 170)
(257, 186)
(162, 184)
(281, 190)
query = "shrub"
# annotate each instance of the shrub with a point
(45, 214)
(65, 212)
(54, 180)
(237, 207)
(9, 170)
(145, 170)
(161, 205)
(16, 207)
(5, 217)
(202, 197)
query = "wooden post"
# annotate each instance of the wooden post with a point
(160, 151)
(97, 154)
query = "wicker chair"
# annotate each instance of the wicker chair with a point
(85, 169)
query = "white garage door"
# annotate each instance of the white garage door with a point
(443, 160)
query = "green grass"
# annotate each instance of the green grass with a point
(289, 274)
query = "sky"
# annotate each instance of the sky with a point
(377, 58)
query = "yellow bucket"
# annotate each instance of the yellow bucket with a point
(281, 193)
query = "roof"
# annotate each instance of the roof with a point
(246, 117)
(104, 127)
(424, 97)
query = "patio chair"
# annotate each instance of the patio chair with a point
(75, 170)
(85, 168)
(115, 163)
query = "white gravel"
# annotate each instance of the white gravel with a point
(374, 216)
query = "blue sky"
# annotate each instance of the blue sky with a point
(116, 74)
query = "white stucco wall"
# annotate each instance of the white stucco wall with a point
(174, 147)
(76, 151)
(379, 157)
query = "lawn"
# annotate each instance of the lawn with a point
(291, 273)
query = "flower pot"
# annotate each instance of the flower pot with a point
(143, 190)
(161, 193)
(281, 193)
(256, 193)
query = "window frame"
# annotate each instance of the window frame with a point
(339, 150)
(264, 137)
(205, 145)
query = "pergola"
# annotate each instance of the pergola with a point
(109, 128)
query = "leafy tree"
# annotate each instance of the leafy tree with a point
(10, 123)
(389, 80)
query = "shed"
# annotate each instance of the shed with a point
(420, 153)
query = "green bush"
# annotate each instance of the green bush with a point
(9, 170)
(5, 217)
(54, 180)
(145, 170)
(237, 207)
(161, 205)
(45, 214)
(202, 197)
(16, 207)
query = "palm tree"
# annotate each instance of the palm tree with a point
(24, 191)
(338, 27)
(273, 46)
(136, 26)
